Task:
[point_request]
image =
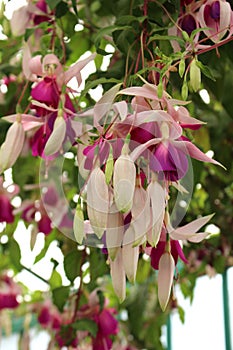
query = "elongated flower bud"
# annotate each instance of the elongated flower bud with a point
(78, 224)
(118, 276)
(12, 147)
(165, 278)
(56, 139)
(157, 198)
(124, 178)
(195, 75)
(97, 201)
(114, 231)
(130, 256)
(140, 213)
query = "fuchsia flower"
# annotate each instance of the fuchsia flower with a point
(51, 103)
(165, 255)
(49, 317)
(9, 292)
(217, 16)
(6, 195)
(107, 326)
(29, 15)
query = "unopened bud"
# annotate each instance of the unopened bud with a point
(56, 139)
(97, 201)
(124, 178)
(13, 145)
(195, 76)
(165, 278)
(78, 224)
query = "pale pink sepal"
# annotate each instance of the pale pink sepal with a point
(130, 256)
(140, 149)
(97, 201)
(56, 139)
(189, 231)
(74, 70)
(28, 121)
(20, 21)
(118, 276)
(165, 278)
(104, 104)
(35, 65)
(194, 152)
(12, 147)
(124, 178)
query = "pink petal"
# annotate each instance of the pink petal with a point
(74, 71)
(140, 149)
(194, 152)
(35, 65)
(189, 231)
(104, 105)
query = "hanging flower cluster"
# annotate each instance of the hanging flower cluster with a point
(133, 163)
(133, 151)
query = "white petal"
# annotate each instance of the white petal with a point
(56, 139)
(118, 276)
(97, 201)
(124, 178)
(130, 260)
(189, 230)
(165, 278)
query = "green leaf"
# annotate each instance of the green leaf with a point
(15, 254)
(55, 280)
(166, 37)
(206, 70)
(68, 22)
(53, 3)
(72, 264)
(60, 296)
(181, 313)
(107, 31)
(86, 324)
(61, 9)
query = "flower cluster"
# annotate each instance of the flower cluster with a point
(213, 17)
(132, 164)
(69, 330)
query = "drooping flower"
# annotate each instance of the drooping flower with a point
(6, 195)
(216, 15)
(9, 292)
(107, 326)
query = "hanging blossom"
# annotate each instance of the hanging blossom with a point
(63, 325)
(214, 16)
(132, 163)
(7, 193)
(53, 121)
(51, 102)
(9, 292)
(30, 15)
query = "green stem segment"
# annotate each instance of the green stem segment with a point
(226, 311)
